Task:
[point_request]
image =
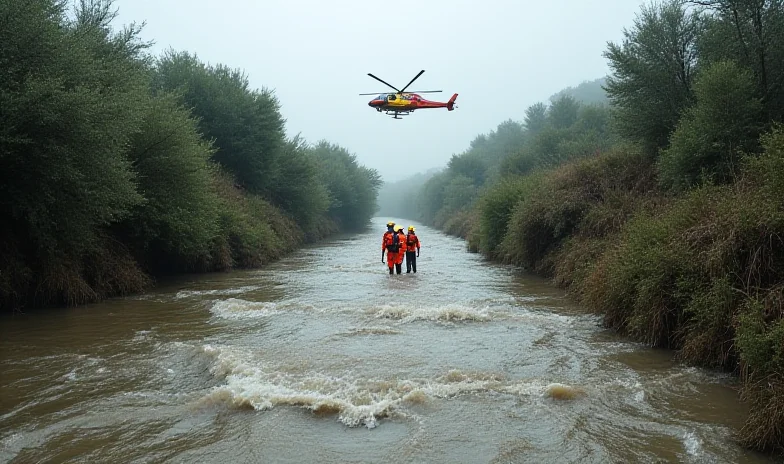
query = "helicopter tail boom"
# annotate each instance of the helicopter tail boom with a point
(450, 105)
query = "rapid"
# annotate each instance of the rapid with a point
(324, 357)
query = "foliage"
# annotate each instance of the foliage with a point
(550, 136)
(653, 72)
(714, 133)
(496, 207)
(178, 219)
(749, 32)
(299, 189)
(352, 188)
(587, 92)
(535, 118)
(592, 197)
(245, 124)
(115, 167)
(562, 113)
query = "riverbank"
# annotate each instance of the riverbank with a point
(700, 273)
(252, 234)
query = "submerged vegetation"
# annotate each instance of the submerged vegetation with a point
(117, 166)
(663, 208)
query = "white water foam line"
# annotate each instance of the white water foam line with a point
(472, 312)
(235, 309)
(356, 402)
(253, 386)
(446, 313)
(238, 309)
(227, 291)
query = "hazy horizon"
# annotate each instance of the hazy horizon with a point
(499, 58)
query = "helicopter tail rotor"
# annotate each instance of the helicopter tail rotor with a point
(450, 105)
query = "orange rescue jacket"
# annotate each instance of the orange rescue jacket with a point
(412, 242)
(388, 242)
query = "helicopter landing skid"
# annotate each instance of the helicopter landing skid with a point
(396, 114)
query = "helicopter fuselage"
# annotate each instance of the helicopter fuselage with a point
(407, 102)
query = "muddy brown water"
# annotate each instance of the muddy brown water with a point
(324, 357)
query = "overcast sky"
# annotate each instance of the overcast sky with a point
(500, 56)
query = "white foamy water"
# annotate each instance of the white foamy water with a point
(355, 401)
(445, 313)
(182, 294)
(235, 308)
(693, 444)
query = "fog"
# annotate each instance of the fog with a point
(500, 56)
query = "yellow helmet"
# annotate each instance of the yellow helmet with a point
(399, 227)
(390, 224)
(411, 228)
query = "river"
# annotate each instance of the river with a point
(324, 357)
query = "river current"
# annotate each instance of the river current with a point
(324, 357)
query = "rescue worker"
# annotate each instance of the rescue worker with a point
(412, 250)
(392, 244)
(401, 239)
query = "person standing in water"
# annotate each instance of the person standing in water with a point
(392, 244)
(412, 250)
(401, 240)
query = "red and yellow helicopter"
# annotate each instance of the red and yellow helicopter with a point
(402, 102)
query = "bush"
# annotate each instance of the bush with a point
(496, 207)
(706, 278)
(589, 198)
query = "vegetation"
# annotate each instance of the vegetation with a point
(399, 199)
(663, 209)
(591, 92)
(117, 166)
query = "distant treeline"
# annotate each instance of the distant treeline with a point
(663, 210)
(401, 199)
(116, 165)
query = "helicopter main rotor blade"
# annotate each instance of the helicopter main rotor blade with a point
(412, 81)
(424, 91)
(375, 93)
(387, 83)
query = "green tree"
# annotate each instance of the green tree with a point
(352, 188)
(432, 197)
(588, 92)
(724, 123)
(246, 125)
(298, 189)
(174, 228)
(535, 118)
(563, 112)
(469, 165)
(751, 33)
(459, 193)
(653, 72)
(68, 108)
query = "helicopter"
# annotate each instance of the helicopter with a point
(402, 102)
